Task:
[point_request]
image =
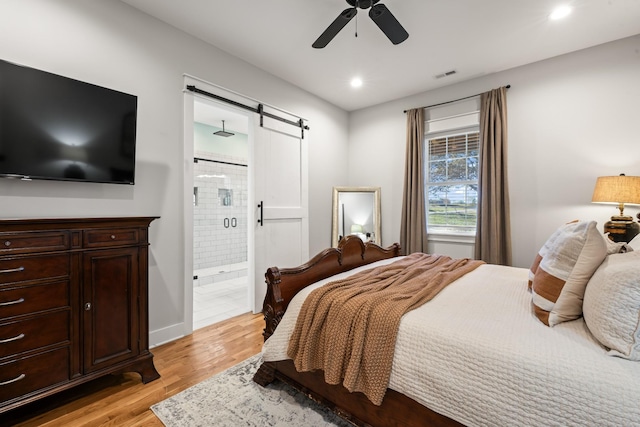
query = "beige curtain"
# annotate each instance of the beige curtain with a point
(413, 233)
(493, 236)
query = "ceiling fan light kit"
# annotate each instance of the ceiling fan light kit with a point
(378, 13)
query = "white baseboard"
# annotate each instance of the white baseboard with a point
(165, 335)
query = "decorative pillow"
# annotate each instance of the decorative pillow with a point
(617, 247)
(635, 243)
(612, 305)
(563, 267)
(543, 251)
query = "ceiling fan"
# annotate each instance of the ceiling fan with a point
(379, 13)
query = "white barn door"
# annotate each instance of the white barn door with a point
(280, 200)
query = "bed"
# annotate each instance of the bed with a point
(479, 352)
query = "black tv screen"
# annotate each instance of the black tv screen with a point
(57, 128)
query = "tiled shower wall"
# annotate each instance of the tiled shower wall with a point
(220, 202)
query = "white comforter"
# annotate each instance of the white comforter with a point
(477, 354)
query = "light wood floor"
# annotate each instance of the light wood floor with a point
(122, 400)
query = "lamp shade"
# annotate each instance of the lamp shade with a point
(356, 228)
(617, 189)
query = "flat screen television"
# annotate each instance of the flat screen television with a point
(56, 128)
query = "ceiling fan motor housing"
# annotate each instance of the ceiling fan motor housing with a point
(362, 4)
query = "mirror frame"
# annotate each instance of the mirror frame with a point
(376, 211)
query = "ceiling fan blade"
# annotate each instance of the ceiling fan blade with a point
(388, 23)
(335, 27)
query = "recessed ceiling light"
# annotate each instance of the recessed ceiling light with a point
(356, 82)
(560, 12)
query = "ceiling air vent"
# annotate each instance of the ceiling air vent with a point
(445, 74)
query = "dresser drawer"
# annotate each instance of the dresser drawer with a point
(33, 268)
(19, 300)
(37, 241)
(111, 237)
(23, 376)
(30, 334)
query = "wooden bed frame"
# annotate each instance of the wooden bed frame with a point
(282, 285)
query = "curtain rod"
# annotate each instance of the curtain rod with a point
(455, 100)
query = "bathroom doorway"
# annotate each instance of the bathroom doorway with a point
(220, 213)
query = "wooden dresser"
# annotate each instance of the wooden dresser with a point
(73, 304)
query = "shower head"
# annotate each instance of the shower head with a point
(223, 132)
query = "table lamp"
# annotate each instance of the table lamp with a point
(356, 229)
(619, 189)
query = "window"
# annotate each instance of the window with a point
(451, 187)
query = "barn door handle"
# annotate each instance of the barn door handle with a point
(260, 221)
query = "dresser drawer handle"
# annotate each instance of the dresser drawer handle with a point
(18, 378)
(18, 301)
(16, 338)
(113, 237)
(12, 270)
(7, 243)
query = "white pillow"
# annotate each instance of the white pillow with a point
(561, 270)
(611, 306)
(617, 247)
(635, 243)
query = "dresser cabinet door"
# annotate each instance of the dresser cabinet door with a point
(110, 307)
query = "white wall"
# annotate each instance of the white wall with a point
(108, 43)
(571, 119)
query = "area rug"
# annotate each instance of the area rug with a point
(231, 399)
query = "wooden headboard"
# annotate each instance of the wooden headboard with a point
(284, 283)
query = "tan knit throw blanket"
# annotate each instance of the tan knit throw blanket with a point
(348, 328)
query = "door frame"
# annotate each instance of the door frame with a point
(188, 152)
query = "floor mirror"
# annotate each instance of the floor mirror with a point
(356, 210)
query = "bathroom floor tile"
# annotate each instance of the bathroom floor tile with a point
(219, 301)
